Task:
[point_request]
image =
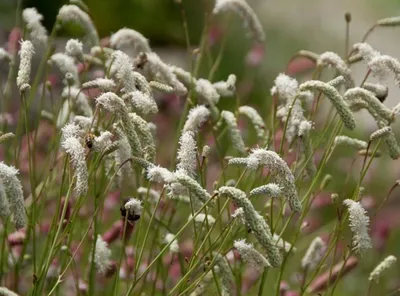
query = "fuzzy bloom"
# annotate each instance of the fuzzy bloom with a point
(383, 65)
(157, 70)
(153, 195)
(102, 255)
(226, 88)
(370, 100)
(6, 292)
(285, 86)
(233, 130)
(201, 218)
(193, 186)
(359, 224)
(250, 255)
(4, 55)
(145, 136)
(386, 133)
(382, 267)
(256, 120)
(134, 206)
(206, 92)
(160, 175)
(70, 130)
(184, 76)
(271, 190)
(337, 82)
(246, 13)
(122, 66)
(225, 274)
(255, 222)
(66, 65)
(24, 72)
(282, 244)
(272, 161)
(72, 13)
(239, 215)
(379, 90)
(6, 137)
(187, 154)
(161, 87)
(196, 118)
(331, 59)
(77, 153)
(123, 153)
(366, 51)
(115, 104)
(333, 95)
(103, 141)
(205, 283)
(4, 204)
(103, 84)
(127, 38)
(349, 142)
(74, 48)
(141, 102)
(37, 32)
(13, 189)
(314, 254)
(79, 100)
(174, 246)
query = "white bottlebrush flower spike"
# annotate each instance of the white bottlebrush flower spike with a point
(187, 154)
(102, 255)
(74, 48)
(72, 13)
(381, 268)
(196, 118)
(250, 255)
(233, 130)
(246, 13)
(66, 65)
(37, 32)
(174, 246)
(14, 193)
(359, 224)
(314, 254)
(134, 206)
(201, 218)
(125, 38)
(24, 72)
(103, 84)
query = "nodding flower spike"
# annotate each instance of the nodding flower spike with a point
(250, 255)
(129, 38)
(234, 132)
(255, 222)
(333, 95)
(246, 13)
(37, 32)
(72, 13)
(196, 118)
(332, 59)
(382, 267)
